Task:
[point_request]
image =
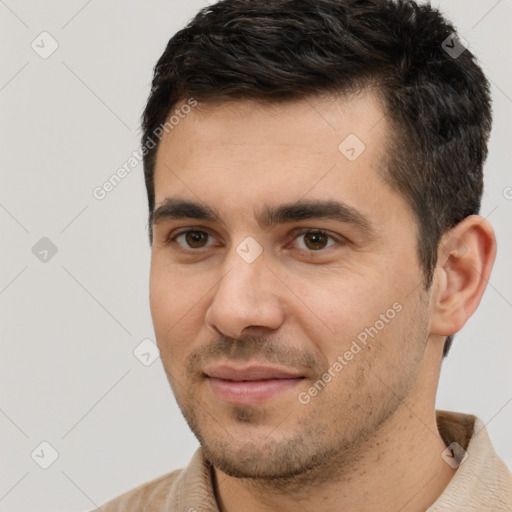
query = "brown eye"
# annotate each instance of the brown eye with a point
(315, 240)
(194, 239)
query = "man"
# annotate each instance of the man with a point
(314, 175)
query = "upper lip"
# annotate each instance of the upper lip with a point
(250, 373)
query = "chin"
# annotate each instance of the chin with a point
(267, 460)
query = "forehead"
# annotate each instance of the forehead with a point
(313, 125)
(238, 154)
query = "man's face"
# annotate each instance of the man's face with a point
(283, 345)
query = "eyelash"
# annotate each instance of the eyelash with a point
(340, 240)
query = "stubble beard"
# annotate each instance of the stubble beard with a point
(294, 452)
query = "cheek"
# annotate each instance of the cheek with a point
(170, 295)
(177, 308)
(162, 294)
(346, 304)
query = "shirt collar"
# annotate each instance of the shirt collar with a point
(482, 481)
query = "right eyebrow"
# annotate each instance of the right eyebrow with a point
(182, 209)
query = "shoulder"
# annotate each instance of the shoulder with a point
(148, 496)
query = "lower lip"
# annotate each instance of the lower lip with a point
(250, 391)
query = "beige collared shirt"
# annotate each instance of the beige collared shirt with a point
(482, 482)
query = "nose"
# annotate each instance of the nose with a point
(248, 295)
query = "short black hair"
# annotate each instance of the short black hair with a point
(433, 91)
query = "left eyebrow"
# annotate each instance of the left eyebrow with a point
(270, 215)
(315, 209)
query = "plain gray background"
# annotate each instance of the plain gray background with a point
(69, 325)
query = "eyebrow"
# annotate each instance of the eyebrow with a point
(270, 215)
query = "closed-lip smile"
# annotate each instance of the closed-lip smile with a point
(250, 384)
(250, 373)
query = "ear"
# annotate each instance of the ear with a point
(465, 255)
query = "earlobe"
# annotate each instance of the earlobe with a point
(466, 254)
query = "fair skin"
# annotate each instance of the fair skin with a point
(368, 440)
